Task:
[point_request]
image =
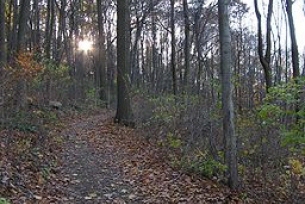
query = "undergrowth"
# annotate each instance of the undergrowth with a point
(189, 129)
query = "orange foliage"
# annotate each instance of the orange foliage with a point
(26, 66)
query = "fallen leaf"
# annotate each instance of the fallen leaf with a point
(108, 195)
(92, 195)
(132, 196)
(124, 191)
(37, 197)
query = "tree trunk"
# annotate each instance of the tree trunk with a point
(173, 44)
(13, 31)
(155, 67)
(36, 34)
(140, 21)
(265, 59)
(60, 45)
(49, 28)
(134, 52)
(3, 54)
(20, 92)
(124, 113)
(110, 65)
(294, 45)
(22, 25)
(227, 102)
(101, 53)
(294, 53)
(186, 44)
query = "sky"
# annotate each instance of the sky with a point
(299, 20)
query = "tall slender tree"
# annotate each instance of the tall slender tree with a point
(36, 25)
(124, 113)
(294, 51)
(101, 52)
(49, 28)
(24, 14)
(20, 91)
(294, 44)
(173, 46)
(227, 101)
(186, 43)
(3, 54)
(12, 30)
(265, 58)
(60, 31)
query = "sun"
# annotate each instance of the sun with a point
(85, 45)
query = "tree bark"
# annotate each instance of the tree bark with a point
(173, 46)
(101, 52)
(49, 28)
(13, 31)
(110, 64)
(294, 45)
(59, 51)
(22, 25)
(227, 101)
(294, 54)
(155, 68)
(186, 44)
(20, 92)
(3, 53)
(36, 20)
(124, 113)
(265, 59)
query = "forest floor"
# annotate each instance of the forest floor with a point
(84, 157)
(87, 158)
(107, 163)
(92, 160)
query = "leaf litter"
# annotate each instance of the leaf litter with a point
(99, 162)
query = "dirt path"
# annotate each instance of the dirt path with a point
(105, 163)
(91, 171)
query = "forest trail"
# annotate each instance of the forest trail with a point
(107, 163)
(90, 163)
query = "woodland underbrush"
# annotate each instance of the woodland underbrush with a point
(30, 142)
(36, 98)
(189, 129)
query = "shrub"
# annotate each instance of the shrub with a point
(183, 125)
(4, 201)
(202, 163)
(284, 108)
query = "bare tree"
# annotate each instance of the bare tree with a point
(20, 91)
(3, 54)
(294, 45)
(265, 58)
(36, 20)
(186, 44)
(173, 46)
(12, 30)
(124, 113)
(227, 101)
(101, 52)
(60, 31)
(49, 27)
